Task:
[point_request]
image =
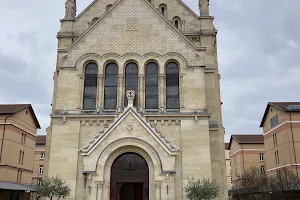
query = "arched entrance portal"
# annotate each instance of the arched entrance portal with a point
(129, 178)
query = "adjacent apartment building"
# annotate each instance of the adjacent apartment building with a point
(18, 126)
(39, 159)
(228, 166)
(246, 151)
(281, 130)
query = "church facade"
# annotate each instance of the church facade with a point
(136, 106)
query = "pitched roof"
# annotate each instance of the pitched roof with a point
(17, 186)
(11, 109)
(247, 139)
(40, 140)
(279, 105)
(227, 146)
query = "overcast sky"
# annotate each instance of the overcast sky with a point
(258, 49)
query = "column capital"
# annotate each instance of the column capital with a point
(157, 184)
(100, 75)
(162, 75)
(99, 184)
(120, 75)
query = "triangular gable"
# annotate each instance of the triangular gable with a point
(171, 150)
(95, 1)
(119, 29)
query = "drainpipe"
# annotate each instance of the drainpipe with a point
(3, 138)
(294, 144)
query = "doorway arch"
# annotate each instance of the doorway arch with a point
(129, 177)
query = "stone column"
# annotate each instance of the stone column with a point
(100, 91)
(141, 91)
(99, 189)
(157, 190)
(181, 96)
(120, 90)
(80, 91)
(162, 90)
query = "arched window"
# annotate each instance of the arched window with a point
(172, 86)
(151, 86)
(108, 7)
(176, 23)
(94, 20)
(131, 81)
(90, 86)
(163, 9)
(111, 86)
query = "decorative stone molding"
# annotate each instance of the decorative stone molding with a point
(95, 122)
(165, 122)
(165, 144)
(132, 24)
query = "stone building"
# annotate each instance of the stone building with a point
(39, 159)
(281, 128)
(246, 151)
(136, 103)
(228, 166)
(18, 126)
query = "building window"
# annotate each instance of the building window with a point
(261, 157)
(108, 7)
(262, 169)
(177, 22)
(42, 156)
(275, 140)
(274, 121)
(90, 87)
(22, 138)
(276, 157)
(131, 81)
(111, 86)
(163, 9)
(24, 141)
(22, 162)
(39, 182)
(20, 156)
(172, 86)
(151, 86)
(41, 169)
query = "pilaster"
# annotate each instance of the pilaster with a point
(141, 90)
(100, 91)
(162, 90)
(121, 90)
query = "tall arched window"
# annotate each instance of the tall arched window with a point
(163, 11)
(108, 7)
(131, 81)
(111, 86)
(172, 86)
(151, 86)
(90, 86)
(176, 23)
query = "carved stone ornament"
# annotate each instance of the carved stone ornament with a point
(132, 24)
(129, 126)
(130, 93)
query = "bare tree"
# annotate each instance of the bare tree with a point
(256, 185)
